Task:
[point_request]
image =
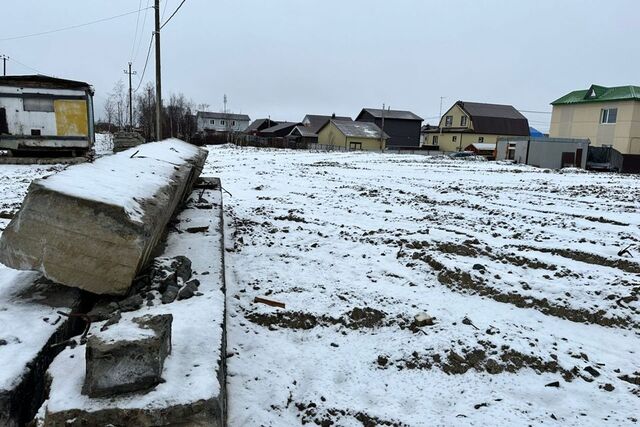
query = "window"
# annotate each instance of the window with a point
(463, 121)
(213, 122)
(38, 104)
(434, 141)
(481, 139)
(608, 115)
(36, 132)
(222, 122)
(233, 123)
(448, 121)
(454, 138)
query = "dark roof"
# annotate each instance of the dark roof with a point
(224, 116)
(304, 131)
(42, 81)
(278, 128)
(600, 94)
(316, 121)
(390, 114)
(258, 124)
(358, 129)
(495, 119)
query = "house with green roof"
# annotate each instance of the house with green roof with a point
(608, 116)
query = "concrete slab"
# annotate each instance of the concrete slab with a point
(29, 326)
(94, 226)
(194, 389)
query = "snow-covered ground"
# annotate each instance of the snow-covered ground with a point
(534, 317)
(517, 267)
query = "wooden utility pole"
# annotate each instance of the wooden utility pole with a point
(382, 130)
(130, 73)
(4, 64)
(158, 75)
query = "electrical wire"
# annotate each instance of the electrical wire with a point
(144, 23)
(135, 33)
(145, 63)
(72, 27)
(12, 58)
(535, 112)
(172, 15)
(164, 9)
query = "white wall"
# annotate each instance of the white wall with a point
(206, 123)
(21, 122)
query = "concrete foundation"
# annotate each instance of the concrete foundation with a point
(94, 226)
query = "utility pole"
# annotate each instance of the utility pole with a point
(158, 75)
(440, 121)
(4, 64)
(130, 73)
(382, 130)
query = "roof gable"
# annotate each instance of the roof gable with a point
(357, 129)
(597, 93)
(495, 119)
(315, 122)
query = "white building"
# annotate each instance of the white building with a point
(41, 113)
(221, 122)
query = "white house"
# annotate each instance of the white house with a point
(41, 113)
(221, 122)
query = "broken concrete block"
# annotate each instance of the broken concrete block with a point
(94, 226)
(30, 326)
(128, 356)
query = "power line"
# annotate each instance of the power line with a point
(535, 112)
(26, 66)
(144, 23)
(145, 63)
(135, 34)
(70, 27)
(164, 9)
(174, 12)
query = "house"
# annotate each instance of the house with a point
(608, 116)
(403, 127)
(350, 135)
(221, 122)
(280, 130)
(259, 125)
(466, 123)
(485, 149)
(40, 114)
(550, 153)
(307, 132)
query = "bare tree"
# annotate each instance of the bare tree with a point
(109, 112)
(145, 111)
(117, 100)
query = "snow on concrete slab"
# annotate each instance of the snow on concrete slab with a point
(127, 178)
(332, 235)
(29, 325)
(192, 385)
(93, 226)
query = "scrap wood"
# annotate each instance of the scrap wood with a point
(268, 302)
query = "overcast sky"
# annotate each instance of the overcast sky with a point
(287, 58)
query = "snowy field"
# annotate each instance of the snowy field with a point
(530, 316)
(534, 317)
